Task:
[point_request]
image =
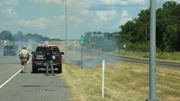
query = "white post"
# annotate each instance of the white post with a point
(103, 67)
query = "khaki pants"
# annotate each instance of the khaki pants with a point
(49, 63)
(23, 64)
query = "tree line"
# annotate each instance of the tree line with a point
(19, 36)
(135, 34)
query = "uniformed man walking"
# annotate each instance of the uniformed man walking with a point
(49, 59)
(24, 56)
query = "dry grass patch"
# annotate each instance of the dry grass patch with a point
(123, 82)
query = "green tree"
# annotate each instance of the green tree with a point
(137, 30)
(6, 35)
(170, 38)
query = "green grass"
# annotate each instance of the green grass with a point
(174, 56)
(123, 82)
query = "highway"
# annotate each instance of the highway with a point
(28, 86)
(39, 87)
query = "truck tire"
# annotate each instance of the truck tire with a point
(59, 69)
(34, 69)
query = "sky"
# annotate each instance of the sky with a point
(47, 17)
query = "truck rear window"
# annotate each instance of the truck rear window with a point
(41, 49)
(55, 49)
(8, 47)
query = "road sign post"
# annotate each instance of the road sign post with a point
(82, 42)
(103, 67)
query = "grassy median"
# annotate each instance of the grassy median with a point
(123, 82)
(173, 56)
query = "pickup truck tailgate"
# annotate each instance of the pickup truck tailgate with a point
(40, 59)
(56, 58)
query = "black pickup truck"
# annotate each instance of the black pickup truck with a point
(39, 59)
(9, 50)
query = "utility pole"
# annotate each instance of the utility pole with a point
(152, 65)
(66, 3)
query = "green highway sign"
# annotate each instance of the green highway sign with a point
(82, 39)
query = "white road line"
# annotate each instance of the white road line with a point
(7, 71)
(2, 85)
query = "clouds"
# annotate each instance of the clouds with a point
(46, 1)
(8, 16)
(124, 14)
(84, 12)
(6, 8)
(124, 17)
(8, 3)
(106, 15)
(80, 18)
(48, 16)
(93, 3)
(123, 2)
(70, 3)
(72, 18)
(41, 23)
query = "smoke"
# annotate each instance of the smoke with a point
(89, 60)
(106, 42)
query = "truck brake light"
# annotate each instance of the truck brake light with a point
(60, 58)
(33, 57)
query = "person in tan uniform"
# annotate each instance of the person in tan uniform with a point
(24, 57)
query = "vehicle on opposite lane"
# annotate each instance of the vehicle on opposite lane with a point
(39, 59)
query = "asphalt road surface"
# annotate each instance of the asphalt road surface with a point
(28, 86)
